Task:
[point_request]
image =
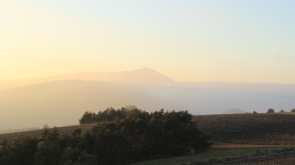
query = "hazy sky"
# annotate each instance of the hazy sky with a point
(193, 40)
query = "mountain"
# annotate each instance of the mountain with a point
(59, 103)
(233, 111)
(146, 88)
(140, 76)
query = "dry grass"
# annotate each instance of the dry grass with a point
(281, 159)
(257, 129)
(219, 151)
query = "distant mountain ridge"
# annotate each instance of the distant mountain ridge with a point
(148, 89)
(140, 76)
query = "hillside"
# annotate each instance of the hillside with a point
(60, 103)
(37, 132)
(198, 98)
(264, 129)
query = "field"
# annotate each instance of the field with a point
(222, 152)
(258, 129)
(282, 159)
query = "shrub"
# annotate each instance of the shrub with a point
(270, 110)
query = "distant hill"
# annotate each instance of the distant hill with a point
(18, 130)
(37, 132)
(258, 129)
(233, 111)
(140, 76)
(59, 103)
(197, 98)
(216, 97)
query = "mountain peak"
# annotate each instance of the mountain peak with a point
(146, 76)
(143, 70)
(234, 111)
(138, 76)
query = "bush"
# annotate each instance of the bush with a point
(270, 110)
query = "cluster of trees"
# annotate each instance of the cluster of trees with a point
(120, 137)
(270, 110)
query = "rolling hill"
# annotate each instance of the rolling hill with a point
(59, 103)
(146, 88)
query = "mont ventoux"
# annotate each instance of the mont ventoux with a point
(62, 100)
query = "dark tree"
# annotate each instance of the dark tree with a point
(120, 136)
(270, 110)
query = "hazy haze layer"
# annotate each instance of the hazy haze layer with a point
(62, 100)
(59, 103)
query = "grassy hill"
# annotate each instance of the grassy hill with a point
(259, 129)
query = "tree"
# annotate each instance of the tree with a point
(19, 152)
(282, 111)
(254, 112)
(47, 154)
(270, 110)
(88, 118)
(292, 110)
(120, 137)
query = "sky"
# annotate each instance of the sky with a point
(245, 41)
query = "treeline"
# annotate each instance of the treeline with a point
(120, 137)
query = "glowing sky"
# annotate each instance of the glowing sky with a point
(191, 40)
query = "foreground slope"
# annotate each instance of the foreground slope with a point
(266, 129)
(281, 159)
